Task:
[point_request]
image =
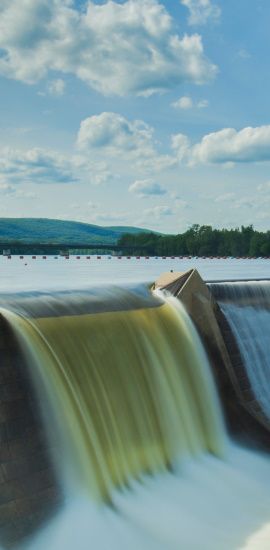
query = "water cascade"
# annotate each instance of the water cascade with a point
(135, 426)
(130, 390)
(246, 306)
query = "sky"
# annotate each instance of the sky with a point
(148, 113)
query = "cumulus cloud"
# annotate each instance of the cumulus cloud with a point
(115, 137)
(227, 146)
(181, 146)
(91, 169)
(115, 48)
(230, 145)
(113, 132)
(35, 165)
(145, 188)
(200, 11)
(108, 148)
(186, 102)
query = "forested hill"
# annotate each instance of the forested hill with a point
(201, 241)
(35, 230)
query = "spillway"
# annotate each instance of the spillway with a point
(133, 450)
(246, 307)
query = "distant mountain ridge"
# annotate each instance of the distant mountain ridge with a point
(45, 230)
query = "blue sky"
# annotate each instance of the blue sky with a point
(136, 112)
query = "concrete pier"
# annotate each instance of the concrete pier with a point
(244, 414)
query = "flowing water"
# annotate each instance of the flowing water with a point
(132, 387)
(142, 453)
(246, 306)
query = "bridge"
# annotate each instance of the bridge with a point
(20, 247)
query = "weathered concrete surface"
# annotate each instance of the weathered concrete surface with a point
(28, 489)
(243, 412)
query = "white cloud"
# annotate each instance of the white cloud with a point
(264, 186)
(180, 145)
(35, 165)
(181, 204)
(226, 197)
(184, 102)
(200, 11)
(244, 202)
(230, 145)
(244, 54)
(109, 148)
(116, 138)
(145, 188)
(158, 211)
(227, 146)
(56, 87)
(6, 188)
(115, 48)
(109, 217)
(203, 103)
(113, 132)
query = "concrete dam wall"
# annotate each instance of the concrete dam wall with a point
(29, 492)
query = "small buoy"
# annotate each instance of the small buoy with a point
(25, 264)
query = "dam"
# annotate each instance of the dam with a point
(136, 417)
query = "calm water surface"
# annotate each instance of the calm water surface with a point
(55, 273)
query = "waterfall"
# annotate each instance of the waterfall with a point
(130, 391)
(246, 306)
(139, 445)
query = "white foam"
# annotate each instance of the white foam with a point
(206, 504)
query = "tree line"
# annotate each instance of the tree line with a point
(200, 241)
